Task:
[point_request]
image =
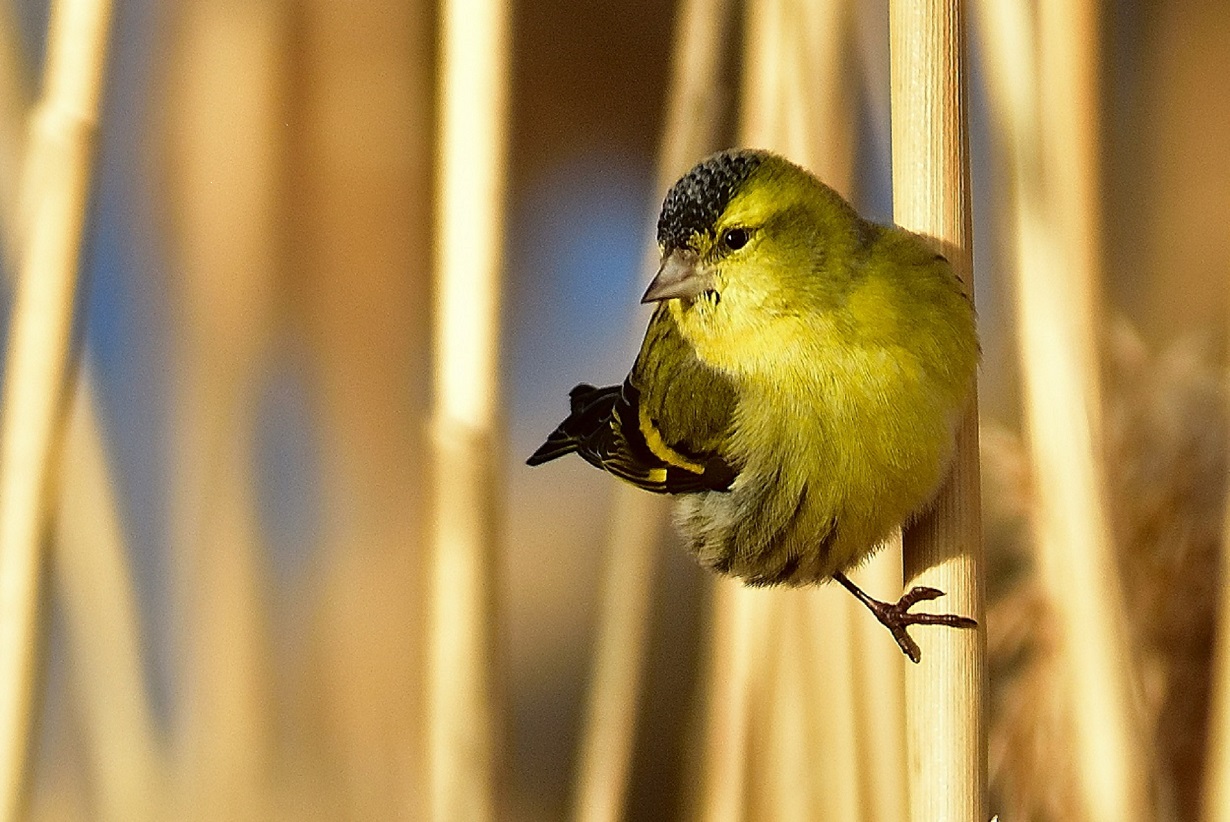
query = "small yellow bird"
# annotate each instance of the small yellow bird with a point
(799, 386)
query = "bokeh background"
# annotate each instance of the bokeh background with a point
(256, 319)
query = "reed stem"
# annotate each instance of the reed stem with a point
(90, 558)
(946, 708)
(470, 199)
(1048, 110)
(738, 659)
(611, 712)
(360, 211)
(1215, 799)
(879, 696)
(225, 164)
(1058, 298)
(56, 194)
(91, 569)
(15, 102)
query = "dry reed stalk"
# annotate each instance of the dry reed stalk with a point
(469, 216)
(55, 196)
(1049, 112)
(104, 640)
(762, 95)
(362, 186)
(739, 656)
(1058, 314)
(817, 107)
(1215, 799)
(692, 118)
(695, 99)
(90, 558)
(90, 566)
(836, 748)
(802, 764)
(946, 720)
(225, 123)
(15, 100)
(879, 697)
(611, 711)
(786, 785)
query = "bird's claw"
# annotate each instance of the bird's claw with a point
(896, 617)
(918, 594)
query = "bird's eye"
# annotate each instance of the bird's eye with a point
(735, 238)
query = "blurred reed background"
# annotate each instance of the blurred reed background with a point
(267, 546)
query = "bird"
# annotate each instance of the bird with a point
(799, 386)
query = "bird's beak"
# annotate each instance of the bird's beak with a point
(681, 276)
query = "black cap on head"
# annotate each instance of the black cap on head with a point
(695, 202)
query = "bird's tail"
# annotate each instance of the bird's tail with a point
(589, 409)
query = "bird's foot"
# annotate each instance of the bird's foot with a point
(896, 617)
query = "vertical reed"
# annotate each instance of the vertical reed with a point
(693, 113)
(92, 571)
(788, 785)
(879, 697)
(1048, 109)
(611, 710)
(56, 182)
(946, 694)
(90, 560)
(361, 195)
(1215, 799)
(226, 125)
(1215, 805)
(470, 200)
(1058, 305)
(738, 659)
(14, 109)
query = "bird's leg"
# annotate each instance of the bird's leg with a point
(897, 617)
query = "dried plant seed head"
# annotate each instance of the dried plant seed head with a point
(1165, 451)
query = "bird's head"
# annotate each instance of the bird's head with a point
(747, 238)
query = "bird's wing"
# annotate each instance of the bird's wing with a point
(662, 430)
(686, 406)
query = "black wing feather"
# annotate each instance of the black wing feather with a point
(603, 427)
(589, 409)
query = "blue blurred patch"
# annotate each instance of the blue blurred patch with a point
(575, 258)
(288, 467)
